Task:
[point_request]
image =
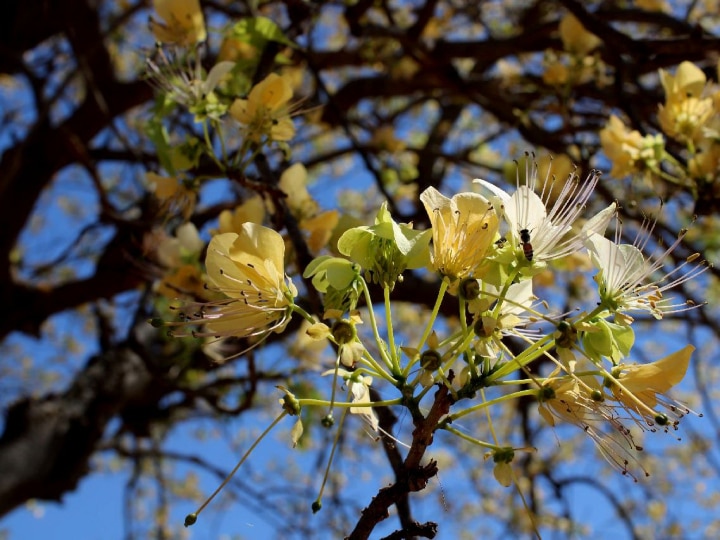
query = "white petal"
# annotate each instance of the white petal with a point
(525, 210)
(216, 74)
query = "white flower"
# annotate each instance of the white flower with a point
(511, 318)
(359, 386)
(183, 80)
(546, 234)
(629, 282)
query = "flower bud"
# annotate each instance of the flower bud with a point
(343, 332)
(430, 360)
(469, 289)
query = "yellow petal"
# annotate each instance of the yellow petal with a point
(576, 39)
(184, 23)
(165, 187)
(241, 111)
(256, 242)
(661, 375)
(272, 92)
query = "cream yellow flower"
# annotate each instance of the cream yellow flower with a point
(688, 81)
(248, 268)
(705, 164)
(653, 5)
(182, 22)
(266, 111)
(685, 112)
(628, 150)
(184, 280)
(463, 228)
(685, 119)
(642, 386)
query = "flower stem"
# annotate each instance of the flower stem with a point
(235, 469)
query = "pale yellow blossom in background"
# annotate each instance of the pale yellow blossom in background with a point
(688, 81)
(186, 280)
(685, 112)
(705, 165)
(186, 242)
(320, 229)
(252, 210)
(233, 50)
(684, 120)
(266, 111)
(293, 182)
(173, 194)
(556, 73)
(576, 39)
(384, 138)
(182, 22)
(628, 150)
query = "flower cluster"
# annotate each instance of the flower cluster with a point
(490, 250)
(688, 116)
(487, 252)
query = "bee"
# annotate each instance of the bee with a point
(526, 245)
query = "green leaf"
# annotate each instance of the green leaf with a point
(159, 136)
(258, 31)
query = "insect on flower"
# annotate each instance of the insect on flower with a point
(526, 245)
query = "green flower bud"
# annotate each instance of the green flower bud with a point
(385, 250)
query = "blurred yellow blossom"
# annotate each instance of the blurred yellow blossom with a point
(688, 81)
(293, 182)
(184, 280)
(320, 228)
(384, 139)
(173, 194)
(233, 49)
(576, 39)
(705, 165)
(266, 111)
(556, 73)
(653, 5)
(684, 120)
(182, 22)
(629, 151)
(252, 210)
